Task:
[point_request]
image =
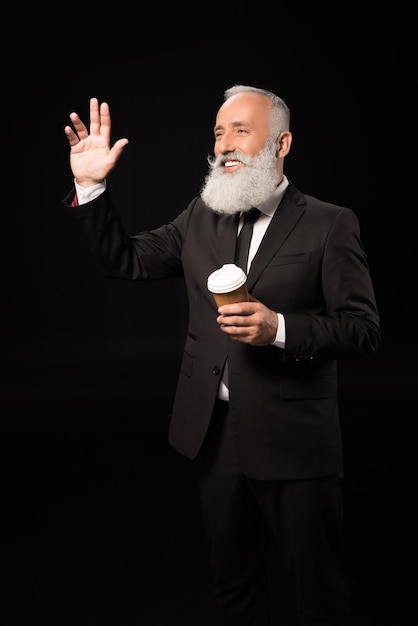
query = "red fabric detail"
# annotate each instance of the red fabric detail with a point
(74, 201)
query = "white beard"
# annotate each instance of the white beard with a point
(229, 193)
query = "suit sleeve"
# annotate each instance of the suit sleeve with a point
(350, 323)
(148, 255)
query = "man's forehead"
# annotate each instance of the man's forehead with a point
(245, 108)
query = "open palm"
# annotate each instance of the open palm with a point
(91, 156)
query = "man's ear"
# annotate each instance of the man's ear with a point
(284, 141)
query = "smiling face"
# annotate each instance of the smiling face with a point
(248, 157)
(242, 124)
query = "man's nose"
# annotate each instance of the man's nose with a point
(226, 143)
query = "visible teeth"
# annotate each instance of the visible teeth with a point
(231, 163)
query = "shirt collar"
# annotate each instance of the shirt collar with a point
(269, 206)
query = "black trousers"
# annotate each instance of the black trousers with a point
(305, 519)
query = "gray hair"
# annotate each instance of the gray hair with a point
(280, 113)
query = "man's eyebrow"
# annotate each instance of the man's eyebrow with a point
(235, 124)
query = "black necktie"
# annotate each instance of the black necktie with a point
(244, 238)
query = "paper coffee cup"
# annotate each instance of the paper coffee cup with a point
(228, 284)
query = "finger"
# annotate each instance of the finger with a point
(117, 149)
(79, 126)
(238, 333)
(236, 319)
(105, 122)
(237, 308)
(71, 136)
(94, 117)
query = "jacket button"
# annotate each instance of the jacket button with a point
(216, 370)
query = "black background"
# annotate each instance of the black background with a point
(101, 517)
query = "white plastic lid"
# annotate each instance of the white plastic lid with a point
(226, 278)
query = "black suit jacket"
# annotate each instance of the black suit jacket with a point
(310, 266)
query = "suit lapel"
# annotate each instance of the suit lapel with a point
(288, 213)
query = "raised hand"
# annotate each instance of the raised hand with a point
(91, 156)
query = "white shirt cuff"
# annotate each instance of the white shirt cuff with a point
(87, 194)
(280, 340)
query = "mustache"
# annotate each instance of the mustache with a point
(220, 160)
